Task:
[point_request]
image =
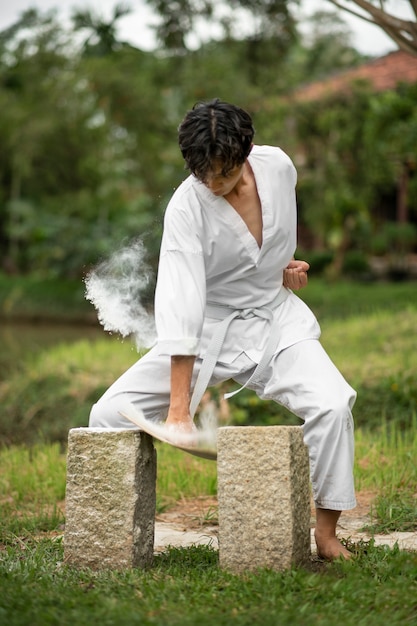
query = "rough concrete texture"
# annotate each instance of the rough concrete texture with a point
(110, 498)
(263, 498)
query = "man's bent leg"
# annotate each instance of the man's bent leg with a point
(305, 380)
(145, 384)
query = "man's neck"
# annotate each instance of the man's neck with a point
(243, 184)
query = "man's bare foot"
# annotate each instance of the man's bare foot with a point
(328, 545)
(330, 548)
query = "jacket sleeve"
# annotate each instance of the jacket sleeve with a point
(180, 296)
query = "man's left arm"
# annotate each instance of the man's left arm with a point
(295, 275)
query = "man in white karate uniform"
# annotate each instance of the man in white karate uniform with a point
(224, 309)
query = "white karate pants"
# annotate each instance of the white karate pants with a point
(301, 378)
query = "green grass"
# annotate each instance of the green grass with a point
(187, 587)
(369, 330)
(343, 299)
(53, 390)
(32, 481)
(385, 466)
(182, 476)
(32, 485)
(32, 489)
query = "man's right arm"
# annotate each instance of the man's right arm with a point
(179, 408)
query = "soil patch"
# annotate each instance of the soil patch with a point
(194, 513)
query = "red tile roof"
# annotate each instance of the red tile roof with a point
(382, 74)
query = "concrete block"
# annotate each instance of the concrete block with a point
(110, 498)
(263, 498)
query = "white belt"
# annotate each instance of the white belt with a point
(227, 314)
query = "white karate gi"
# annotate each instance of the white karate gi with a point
(208, 256)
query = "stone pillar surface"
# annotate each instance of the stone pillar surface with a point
(263, 498)
(110, 498)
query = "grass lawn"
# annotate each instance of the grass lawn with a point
(184, 586)
(370, 335)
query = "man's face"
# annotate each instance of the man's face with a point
(221, 184)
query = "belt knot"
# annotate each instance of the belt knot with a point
(246, 314)
(226, 315)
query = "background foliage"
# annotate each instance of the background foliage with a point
(89, 130)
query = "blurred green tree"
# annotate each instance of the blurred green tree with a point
(102, 35)
(90, 152)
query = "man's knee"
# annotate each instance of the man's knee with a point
(331, 408)
(106, 414)
(341, 400)
(96, 416)
(337, 406)
(100, 416)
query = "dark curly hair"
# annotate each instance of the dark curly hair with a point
(215, 131)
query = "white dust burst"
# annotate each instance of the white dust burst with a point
(115, 287)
